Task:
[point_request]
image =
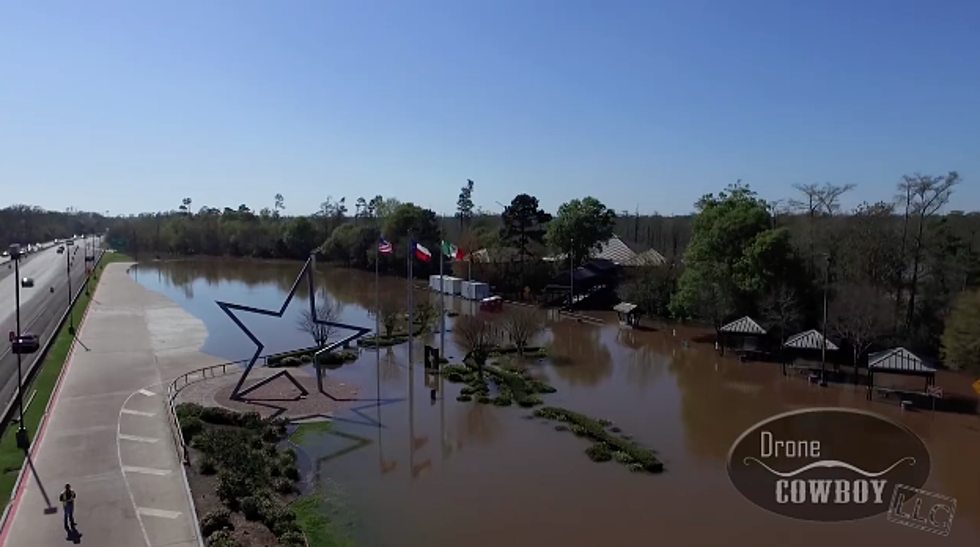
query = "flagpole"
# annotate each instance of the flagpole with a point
(411, 306)
(442, 303)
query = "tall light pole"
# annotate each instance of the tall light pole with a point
(823, 348)
(71, 316)
(22, 441)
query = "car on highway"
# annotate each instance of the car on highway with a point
(61, 250)
(5, 254)
(27, 282)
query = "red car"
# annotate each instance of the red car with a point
(493, 304)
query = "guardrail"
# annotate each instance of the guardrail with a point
(174, 388)
(34, 366)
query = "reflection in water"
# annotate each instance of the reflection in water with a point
(523, 484)
(579, 346)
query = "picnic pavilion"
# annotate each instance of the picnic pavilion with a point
(629, 314)
(745, 336)
(902, 362)
(806, 345)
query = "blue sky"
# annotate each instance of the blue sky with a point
(130, 106)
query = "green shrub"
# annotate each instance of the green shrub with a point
(219, 416)
(483, 399)
(283, 485)
(622, 457)
(291, 472)
(252, 507)
(529, 400)
(599, 452)
(188, 410)
(579, 431)
(292, 539)
(207, 466)
(232, 487)
(502, 400)
(219, 519)
(223, 538)
(288, 456)
(190, 427)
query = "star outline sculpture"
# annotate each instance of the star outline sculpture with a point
(231, 309)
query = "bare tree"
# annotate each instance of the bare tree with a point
(425, 312)
(818, 200)
(478, 335)
(924, 196)
(389, 315)
(521, 325)
(857, 315)
(327, 309)
(782, 307)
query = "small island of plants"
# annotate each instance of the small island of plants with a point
(511, 387)
(607, 445)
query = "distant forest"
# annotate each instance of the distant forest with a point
(901, 270)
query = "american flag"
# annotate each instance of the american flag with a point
(384, 247)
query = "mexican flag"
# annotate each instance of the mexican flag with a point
(422, 253)
(451, 251)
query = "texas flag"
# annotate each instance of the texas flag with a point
(421, 252)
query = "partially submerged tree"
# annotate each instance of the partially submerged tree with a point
(781, 307)
(389, 315)
(522, 324)
(478, 335)
(425, 312)
(961, 338)
(857, 315)
(327, 309)
(650, 288)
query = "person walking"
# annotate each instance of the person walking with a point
(68, 503)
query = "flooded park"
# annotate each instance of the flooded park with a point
(417, 468)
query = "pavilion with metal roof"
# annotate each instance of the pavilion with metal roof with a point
(899, 361)
(744, 335)
(812, 340)
(629, 314)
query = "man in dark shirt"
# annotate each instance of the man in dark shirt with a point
(68, 503)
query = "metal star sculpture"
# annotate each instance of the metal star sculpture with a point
(231, 310)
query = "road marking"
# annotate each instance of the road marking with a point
(134, 438)
(147, 392)
(146, 471)
(157, 513)
(137, 413)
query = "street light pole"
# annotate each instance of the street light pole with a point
(71, 316)
(21, 430)
(823, 349)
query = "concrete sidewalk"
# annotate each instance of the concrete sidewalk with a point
(107, 431)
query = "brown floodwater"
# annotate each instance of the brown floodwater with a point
(440, 473)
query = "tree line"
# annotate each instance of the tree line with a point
(898, 271)
(26, 224)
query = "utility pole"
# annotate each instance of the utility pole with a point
(22, 440)
(823, 349)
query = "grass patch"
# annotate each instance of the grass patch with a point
(309, 428)
(12, 458)
(606, 446)
(305, 357)
(312, 517)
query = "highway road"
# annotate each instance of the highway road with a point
(40, 308)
